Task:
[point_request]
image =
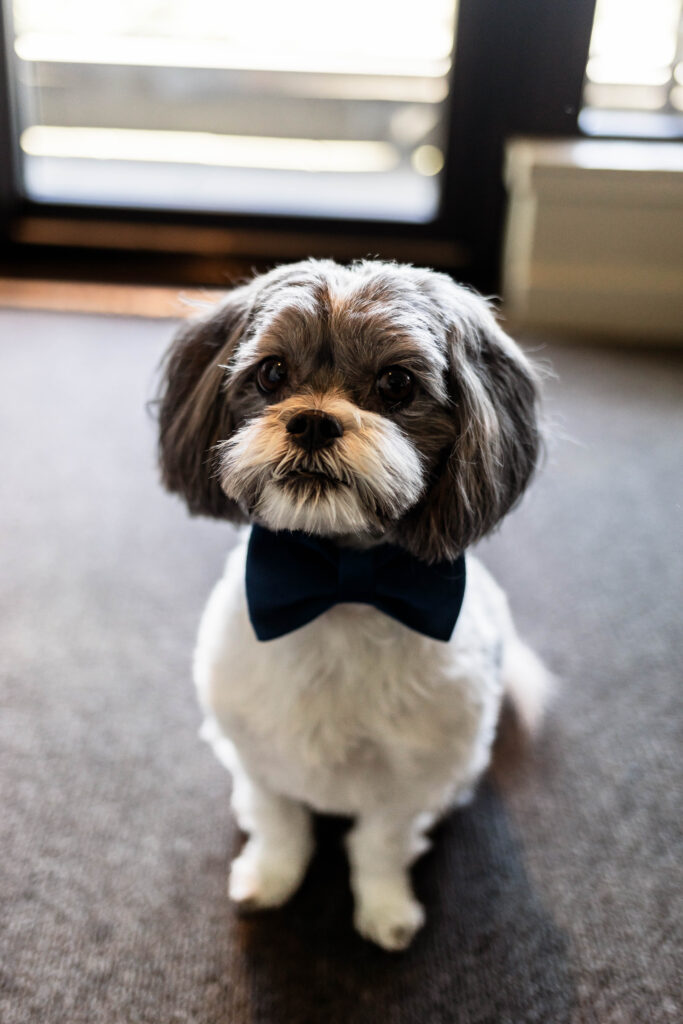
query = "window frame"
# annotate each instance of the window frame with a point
(538, 52)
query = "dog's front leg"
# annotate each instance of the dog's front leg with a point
(381, 848)
(273, 862)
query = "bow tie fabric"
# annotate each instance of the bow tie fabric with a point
(293, 577)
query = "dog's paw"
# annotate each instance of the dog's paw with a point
(389, 917)
(260, 878)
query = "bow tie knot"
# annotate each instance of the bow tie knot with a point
(355, 577)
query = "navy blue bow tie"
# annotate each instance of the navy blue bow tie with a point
(292, 578)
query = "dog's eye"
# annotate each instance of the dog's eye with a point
(271, 375)
(395, 385)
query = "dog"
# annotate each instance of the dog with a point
(371, 422)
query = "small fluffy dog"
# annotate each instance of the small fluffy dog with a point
(372, 421)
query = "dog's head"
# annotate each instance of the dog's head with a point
(376, 400)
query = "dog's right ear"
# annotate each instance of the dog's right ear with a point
(193, 410)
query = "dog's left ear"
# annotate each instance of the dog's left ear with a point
(494, 393)
(194, 414)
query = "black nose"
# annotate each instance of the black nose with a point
(314, 429)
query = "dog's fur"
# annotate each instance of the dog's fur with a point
(354, 713)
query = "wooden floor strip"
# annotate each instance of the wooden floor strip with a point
(117, 299)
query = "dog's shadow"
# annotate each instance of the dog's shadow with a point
(490, 951)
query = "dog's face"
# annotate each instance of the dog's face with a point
(374, 401)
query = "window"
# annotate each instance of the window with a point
(303, 107)
(206, 131)
(634, 77)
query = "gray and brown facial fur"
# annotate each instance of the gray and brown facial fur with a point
(433, 472)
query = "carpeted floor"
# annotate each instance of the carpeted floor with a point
(554, 898)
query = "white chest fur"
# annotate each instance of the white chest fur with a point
(354, 708)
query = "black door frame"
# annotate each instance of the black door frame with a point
(519, 69)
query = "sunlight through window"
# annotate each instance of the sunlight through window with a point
(298, 108)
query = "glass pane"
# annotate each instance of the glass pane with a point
(298, 107)
(631, 73)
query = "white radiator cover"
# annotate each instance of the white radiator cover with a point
(594, 237)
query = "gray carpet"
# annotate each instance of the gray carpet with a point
(554, 898)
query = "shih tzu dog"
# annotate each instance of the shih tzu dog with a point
(371, 422)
